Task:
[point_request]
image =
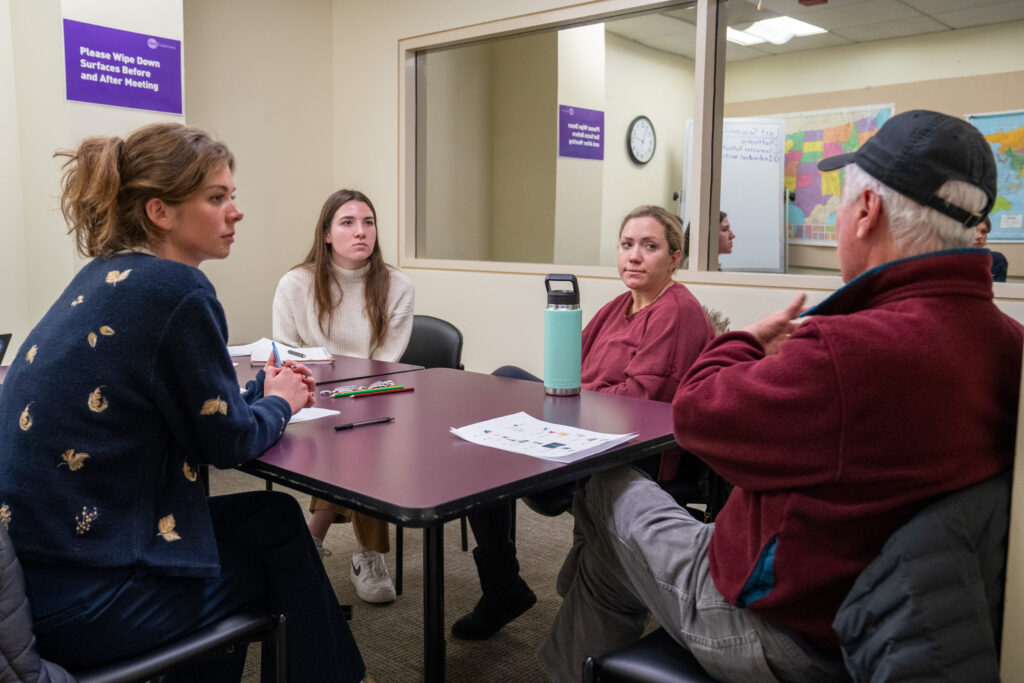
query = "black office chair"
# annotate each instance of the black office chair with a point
(18, 652)
(434, 343)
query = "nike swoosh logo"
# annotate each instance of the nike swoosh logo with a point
(356, 569)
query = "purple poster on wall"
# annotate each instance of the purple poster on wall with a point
(580, 132)
(120, 68)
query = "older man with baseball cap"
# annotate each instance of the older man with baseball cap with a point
(901, 387)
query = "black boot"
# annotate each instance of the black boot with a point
(493, 611)
(506, 595)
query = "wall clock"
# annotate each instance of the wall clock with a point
(640, 140)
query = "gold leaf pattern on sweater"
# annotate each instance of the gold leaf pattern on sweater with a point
(25, 421)
(166, 529)
(77, 301)
(84, 520)
(213, 406)
(190, 473)
(30, 355)
(115, 276)
(105, 330)
(5, 515)
(74, 461)
(97, 403)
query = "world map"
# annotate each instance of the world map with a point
(1005, 133)
(811, 137)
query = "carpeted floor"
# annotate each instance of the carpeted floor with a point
(391, 636)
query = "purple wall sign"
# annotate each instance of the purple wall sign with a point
(580, 132)
(120, 68)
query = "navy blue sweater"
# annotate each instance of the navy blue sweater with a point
(116, 397)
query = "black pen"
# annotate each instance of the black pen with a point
(296, 354)
(374, 421)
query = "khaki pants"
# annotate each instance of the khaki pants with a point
(370, 531)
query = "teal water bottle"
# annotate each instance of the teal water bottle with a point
(563, 337)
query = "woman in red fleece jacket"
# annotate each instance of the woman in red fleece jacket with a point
(639, 344)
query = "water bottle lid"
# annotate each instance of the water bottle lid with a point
(562, 297)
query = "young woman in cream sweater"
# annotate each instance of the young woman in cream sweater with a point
(345, 298)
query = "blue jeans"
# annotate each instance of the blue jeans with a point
(86, 617)
(636, 553)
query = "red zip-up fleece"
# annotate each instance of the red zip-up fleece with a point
(902, 386)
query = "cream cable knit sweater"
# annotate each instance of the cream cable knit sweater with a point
(295, 322)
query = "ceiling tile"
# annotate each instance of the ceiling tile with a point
(891, 29)
(984, 15)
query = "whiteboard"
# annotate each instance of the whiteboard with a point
(753, 191)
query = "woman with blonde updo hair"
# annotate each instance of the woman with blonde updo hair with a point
(639, 344)
(115, 400)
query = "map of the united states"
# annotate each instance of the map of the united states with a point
(814, 196)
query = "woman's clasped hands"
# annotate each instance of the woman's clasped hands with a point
(292, 381)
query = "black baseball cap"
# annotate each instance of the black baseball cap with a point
(917, 151)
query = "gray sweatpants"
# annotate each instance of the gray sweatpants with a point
(636, 552)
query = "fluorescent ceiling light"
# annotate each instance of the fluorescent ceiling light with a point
(741, 38)
(778, 30)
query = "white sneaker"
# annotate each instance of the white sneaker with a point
(370, 577)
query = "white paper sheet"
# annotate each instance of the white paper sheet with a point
(312, 414)
(522, 433)
(260, 350)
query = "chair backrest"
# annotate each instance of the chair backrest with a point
(929, 607)
(19, 660)
(434, 343)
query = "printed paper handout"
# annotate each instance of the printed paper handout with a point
(522, 433)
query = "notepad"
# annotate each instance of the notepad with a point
(260, 350)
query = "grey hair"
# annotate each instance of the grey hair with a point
(915, 228)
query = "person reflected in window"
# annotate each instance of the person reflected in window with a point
(725, 239)
(344, 298)
(118, 396)
(999, 263)
(639, 344)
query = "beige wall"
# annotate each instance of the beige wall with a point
(525, 81)
(259, 76)
(459, 131)
(642, 81)
(14, 306)
(490, 170)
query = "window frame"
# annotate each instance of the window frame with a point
(709, 99)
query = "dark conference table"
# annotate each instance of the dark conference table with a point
(414, 472)
(343, 369)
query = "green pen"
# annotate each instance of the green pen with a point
(359, 392)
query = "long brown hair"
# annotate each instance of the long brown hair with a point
(377, 283)
(107, 182)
